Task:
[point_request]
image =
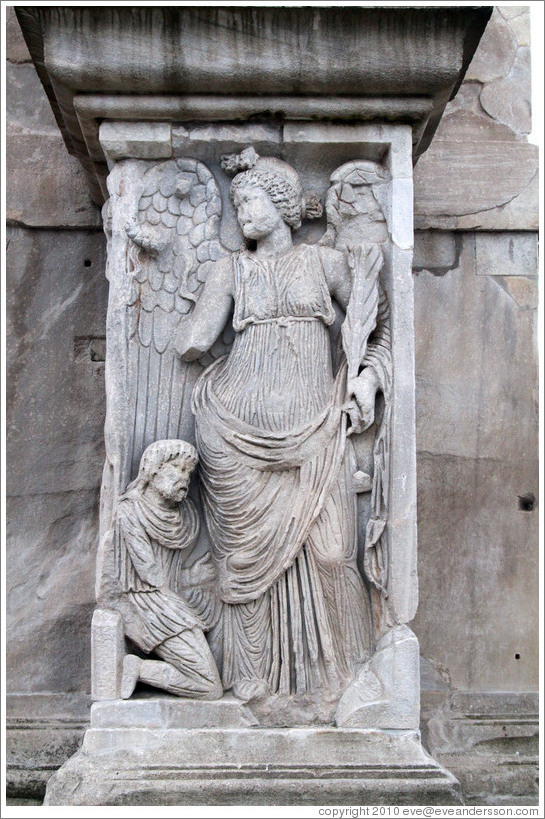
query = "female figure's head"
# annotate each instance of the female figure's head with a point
(257, 214)
(277, 180)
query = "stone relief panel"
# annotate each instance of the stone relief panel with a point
(275, 360)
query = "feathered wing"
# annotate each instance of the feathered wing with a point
(357, 226)
(172, 241)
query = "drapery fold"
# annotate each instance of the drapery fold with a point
(280, 480)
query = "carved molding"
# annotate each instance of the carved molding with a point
(414, 59)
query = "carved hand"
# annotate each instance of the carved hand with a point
(361, 393)
(147, 237)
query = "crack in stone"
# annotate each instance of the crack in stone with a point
(458, 216)
(449, 455)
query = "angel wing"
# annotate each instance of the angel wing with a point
(173, 240)
(356, 224)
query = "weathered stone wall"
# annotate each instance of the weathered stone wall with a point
(475, 270)
(475, 326)
(56, 313)
(56, 307)
(476, 293)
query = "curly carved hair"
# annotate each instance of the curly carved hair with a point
(283, 195)
(279, 181)
(161, 452)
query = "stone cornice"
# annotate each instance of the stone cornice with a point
(240, 63)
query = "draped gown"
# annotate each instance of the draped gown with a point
(276, 472)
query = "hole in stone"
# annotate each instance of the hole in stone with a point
(87, 262)
(527, 502)
(517, 656)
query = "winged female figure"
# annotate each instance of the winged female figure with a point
(271, 423)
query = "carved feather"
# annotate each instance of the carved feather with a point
(177, 230)
(174, 239)
(361, 315)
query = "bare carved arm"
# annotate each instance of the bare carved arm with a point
(199, 329)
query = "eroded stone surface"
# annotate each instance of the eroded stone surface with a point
(522, 291)
(27, 108)
(56, 313)
(42, 732)
(229, 137)
(46, 185)
(385, 693)
(508, 100)
(149, 140)
(167, 713)
(462, 375)
(521, 23)
(512, 12)
(254, 766)
(477, 472)
(491, 742)
(465, 182)
(16, 50)
(482, 496)
(482, 129)
(437, 251)
(496, 53)
(108, 650)
(506, 254)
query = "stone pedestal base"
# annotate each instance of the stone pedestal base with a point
(162, 751)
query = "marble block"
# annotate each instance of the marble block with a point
(189, 762)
